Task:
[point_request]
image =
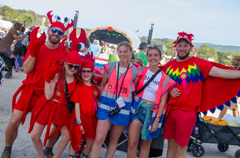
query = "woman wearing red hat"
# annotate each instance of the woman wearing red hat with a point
(53, 107)
(84, 116)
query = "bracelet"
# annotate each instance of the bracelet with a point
(156, 122)
(78, 122)
(158, 116)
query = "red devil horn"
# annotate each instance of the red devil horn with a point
(82, 36)
(69, 25)
(72, 36)
(191, 35)
(49, 15)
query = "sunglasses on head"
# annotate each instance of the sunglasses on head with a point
(70, 66)
(150, 47)
(86, 71)
(55, 30)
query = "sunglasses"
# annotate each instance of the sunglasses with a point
(70, 66)
(55, 30)
(86, 71)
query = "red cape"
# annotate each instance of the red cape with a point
(219, 91)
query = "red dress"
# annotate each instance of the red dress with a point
(47, 112)
(88, 108)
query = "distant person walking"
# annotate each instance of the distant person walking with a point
(95, 48)
(142, 54)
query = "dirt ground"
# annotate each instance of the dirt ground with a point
(23, 147)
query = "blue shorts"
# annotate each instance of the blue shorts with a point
(140, 115)
(105, 105)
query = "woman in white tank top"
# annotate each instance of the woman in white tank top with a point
(140, 124)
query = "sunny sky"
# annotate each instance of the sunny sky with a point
(210, 21)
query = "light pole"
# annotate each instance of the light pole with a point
(76, 19)
(150, 34)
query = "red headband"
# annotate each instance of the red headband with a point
(184, 35)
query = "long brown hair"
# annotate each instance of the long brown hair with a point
(62, 79)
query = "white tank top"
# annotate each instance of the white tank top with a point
(150, 92)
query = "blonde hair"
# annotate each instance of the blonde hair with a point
(126, 44)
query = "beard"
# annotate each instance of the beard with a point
(54, 41)
(183, 57)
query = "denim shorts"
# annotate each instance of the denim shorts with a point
(140, 115)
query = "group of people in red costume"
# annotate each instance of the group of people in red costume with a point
(60, 89)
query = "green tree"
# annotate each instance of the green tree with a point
(222, 57)
(206, 52)
(144, 39)
(170, 49)
(26, 19)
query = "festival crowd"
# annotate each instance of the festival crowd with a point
(62, 94)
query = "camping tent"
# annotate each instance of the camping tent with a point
(114, 35)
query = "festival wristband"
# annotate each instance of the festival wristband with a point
(155, 122)
(78, 122)
(158, 116)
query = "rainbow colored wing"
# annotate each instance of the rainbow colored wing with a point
(191, 73)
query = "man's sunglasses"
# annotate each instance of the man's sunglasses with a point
(86, 71)
(70, 66)
(55, 30)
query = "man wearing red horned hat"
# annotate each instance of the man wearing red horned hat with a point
(201, 86)
(39, 52)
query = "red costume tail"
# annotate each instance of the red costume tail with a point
(16, 94)
(27, 106)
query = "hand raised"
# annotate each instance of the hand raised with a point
(36, 43)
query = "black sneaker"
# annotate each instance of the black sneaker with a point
(6, 154)
(48, 154)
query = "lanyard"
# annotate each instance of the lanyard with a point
(118, 93)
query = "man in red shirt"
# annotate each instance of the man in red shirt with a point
(39, 52)
(185, 100)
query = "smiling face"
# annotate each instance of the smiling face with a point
(86, 74)
(124, 54)
(153, 57)
(55, 38)
(183, 49)
(70, 69)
